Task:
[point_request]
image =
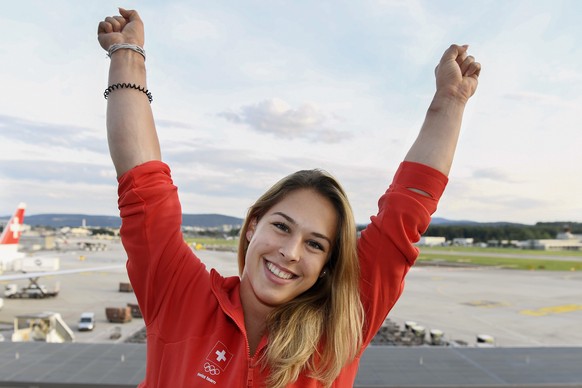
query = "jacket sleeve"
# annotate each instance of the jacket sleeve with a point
(386, 249)
(160, 264)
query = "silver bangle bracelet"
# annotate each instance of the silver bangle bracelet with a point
(133, 47)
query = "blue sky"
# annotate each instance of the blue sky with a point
(246, 92)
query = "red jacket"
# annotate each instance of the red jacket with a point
(196, 335)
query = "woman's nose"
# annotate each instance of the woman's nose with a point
(291, 249)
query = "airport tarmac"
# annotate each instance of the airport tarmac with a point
(81, 292)
(516, 308)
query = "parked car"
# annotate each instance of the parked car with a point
(86, 322)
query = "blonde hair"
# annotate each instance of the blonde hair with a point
(320, 331)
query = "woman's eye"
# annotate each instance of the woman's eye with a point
(281, 226)
(315, 245)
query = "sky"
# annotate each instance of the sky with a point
(246, 92)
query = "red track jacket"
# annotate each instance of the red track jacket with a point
(196, 335)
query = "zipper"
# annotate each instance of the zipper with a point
(250, 377)
(241, 327)
(250, 358)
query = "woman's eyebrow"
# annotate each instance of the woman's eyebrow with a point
(285, 216)
(292, 221)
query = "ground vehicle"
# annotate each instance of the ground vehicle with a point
(86, 322)
(33, 290)
(44, 327)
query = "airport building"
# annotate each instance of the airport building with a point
(431, 241)
(564, 241)
(554, 245)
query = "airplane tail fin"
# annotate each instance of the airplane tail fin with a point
(13, 230)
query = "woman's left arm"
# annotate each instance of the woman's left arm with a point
(386, 247)
(457, 76)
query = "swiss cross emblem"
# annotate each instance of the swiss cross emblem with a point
(15, 227)
(220, 356)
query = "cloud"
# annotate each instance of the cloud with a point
(163, 123)
(46, 172)
(58, 197)
(535, 98)
(276, 117)
(52, 134)
(494, 174)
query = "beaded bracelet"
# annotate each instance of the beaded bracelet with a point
(129, 86)
(114, 47)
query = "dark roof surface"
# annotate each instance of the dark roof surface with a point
(123, 365)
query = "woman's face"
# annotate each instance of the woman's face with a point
(288, 248)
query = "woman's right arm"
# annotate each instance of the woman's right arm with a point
(131, 130)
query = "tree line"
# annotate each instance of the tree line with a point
(503, 231)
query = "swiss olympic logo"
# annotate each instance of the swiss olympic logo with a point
(209, 368)
(219, 356)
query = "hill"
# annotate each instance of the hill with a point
(217, 220)
(445, 222)
(76, 220)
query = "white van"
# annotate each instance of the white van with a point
(86, 322)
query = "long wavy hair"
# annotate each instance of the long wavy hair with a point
(320, 331)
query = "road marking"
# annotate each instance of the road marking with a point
(486, 303)
(541, 312)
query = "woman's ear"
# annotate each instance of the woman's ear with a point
(251, 229)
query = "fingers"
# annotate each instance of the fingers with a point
(454, 52)
(116, 23)
(131, 15)
(468, 65)
(473, 70)
(104, 28)
(466, 62)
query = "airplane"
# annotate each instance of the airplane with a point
(10, 238)
(9, 257)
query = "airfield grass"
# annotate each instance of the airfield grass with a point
(515, 251)
(439, 255)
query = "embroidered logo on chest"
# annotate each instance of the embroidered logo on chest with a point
(219, 356)
(216, 362)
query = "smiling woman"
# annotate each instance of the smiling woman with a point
(299, 249)
(311, 294)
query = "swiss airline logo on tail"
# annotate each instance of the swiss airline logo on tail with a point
(13, 229)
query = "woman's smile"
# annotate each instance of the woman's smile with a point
(279, 272)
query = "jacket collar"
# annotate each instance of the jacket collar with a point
(227, 292)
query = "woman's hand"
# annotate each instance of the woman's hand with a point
(127, 28)
(457, 74)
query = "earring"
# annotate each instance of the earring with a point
(323, 273)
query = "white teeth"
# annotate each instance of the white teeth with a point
(277, 272)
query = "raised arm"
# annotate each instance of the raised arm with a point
(456, 80)
(131, 131)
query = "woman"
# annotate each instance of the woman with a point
(310, 296)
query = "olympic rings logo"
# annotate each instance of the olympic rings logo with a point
(209, 368)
